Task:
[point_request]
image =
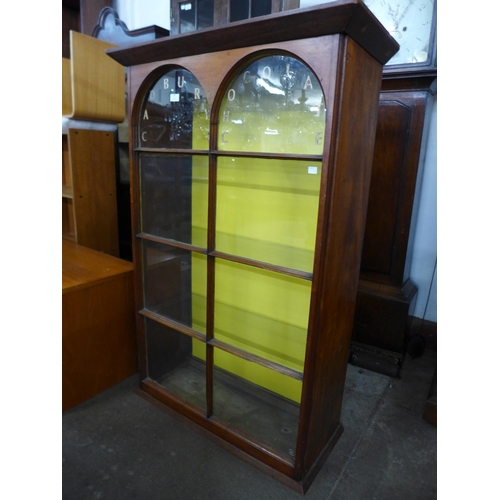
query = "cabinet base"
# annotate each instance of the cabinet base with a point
(298, 486)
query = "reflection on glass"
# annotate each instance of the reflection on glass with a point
(175, 284)
(247, 406)
(267, 210)
(174, 197)
(172, 364)
(276, 105)
(187, 14)
(205, 13)
(175, 114)
(260, 8)
(263, 313)
(195, 15)
(238, 10)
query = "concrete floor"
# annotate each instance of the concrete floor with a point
(117, 446)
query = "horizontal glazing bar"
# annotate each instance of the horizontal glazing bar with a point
(243, 154)
(278, 156)
(173, 243)
(263, 265)
(256, 359)
(188, 152)
(173, 324)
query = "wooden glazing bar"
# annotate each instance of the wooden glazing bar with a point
(165, 151)
(173, 324)
(268, 156)
(172, 243)
(212, 197)
(209, 365)
(289, 372)
(263, 265)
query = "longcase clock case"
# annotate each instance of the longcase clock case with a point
(251, 150)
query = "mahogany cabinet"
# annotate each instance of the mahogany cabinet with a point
(251, 152)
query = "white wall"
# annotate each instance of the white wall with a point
(145, 13)
(424, 250)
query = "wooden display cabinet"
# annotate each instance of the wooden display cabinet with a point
(251, 154)
(89, 209)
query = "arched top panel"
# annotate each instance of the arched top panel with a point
(274, 104)
(174, 113)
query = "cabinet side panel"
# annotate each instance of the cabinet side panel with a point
(343, 227)
(98, 338)
(92, 156)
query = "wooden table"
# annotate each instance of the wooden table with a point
(99, 346)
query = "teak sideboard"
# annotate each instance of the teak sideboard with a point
(99, 347)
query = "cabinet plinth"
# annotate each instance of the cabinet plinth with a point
(250, 175)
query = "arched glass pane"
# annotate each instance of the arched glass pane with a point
(175, 114)
(273, 105)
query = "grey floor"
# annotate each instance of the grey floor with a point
(118, 446)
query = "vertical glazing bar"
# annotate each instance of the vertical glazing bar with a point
(212, 193)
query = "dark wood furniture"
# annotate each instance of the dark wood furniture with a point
(81, 16)
(250, 183)
(386, 295)
(99, 347)
(193, 15)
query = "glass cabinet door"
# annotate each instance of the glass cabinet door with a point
(173, 176)
(271, 126)
(228, 237)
